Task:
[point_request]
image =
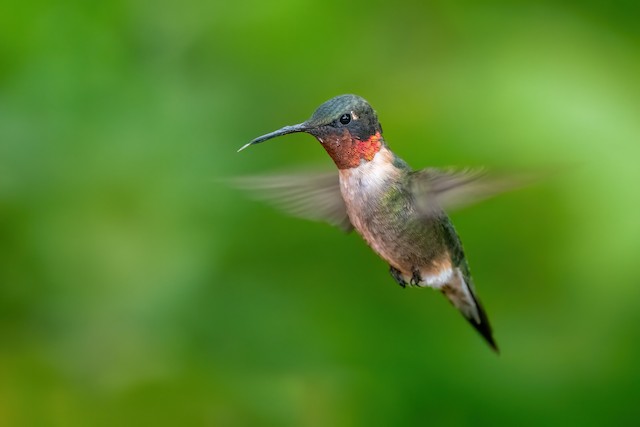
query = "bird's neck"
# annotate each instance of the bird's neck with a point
(348, 152)
(374, 176)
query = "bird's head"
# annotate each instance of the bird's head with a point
(346, 126)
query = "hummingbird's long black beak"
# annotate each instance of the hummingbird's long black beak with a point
(302, 127)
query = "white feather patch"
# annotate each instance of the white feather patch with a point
(438, 280)
(375, 173)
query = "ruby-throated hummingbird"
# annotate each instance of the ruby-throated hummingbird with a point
(399, 212)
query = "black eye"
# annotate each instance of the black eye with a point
(345, 119)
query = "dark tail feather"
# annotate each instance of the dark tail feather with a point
(461, 295)
(484, 327)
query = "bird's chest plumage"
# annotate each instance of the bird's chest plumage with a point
(382, 210)
(375, 205)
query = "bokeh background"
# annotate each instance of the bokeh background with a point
(136, 288)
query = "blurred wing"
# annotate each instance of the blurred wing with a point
(450, 189)
(314, 196)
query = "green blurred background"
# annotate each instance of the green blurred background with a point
(136, 289)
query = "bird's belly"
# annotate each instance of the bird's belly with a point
(388, 242)
(407, 245)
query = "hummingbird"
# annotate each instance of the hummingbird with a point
(398, 211)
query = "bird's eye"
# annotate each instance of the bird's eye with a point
(345, 119)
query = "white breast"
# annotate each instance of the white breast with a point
(362, 188)
(369, 178)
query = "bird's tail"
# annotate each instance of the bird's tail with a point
(460, 293)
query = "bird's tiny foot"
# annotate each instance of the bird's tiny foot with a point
(416, 278)
(397, 275)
